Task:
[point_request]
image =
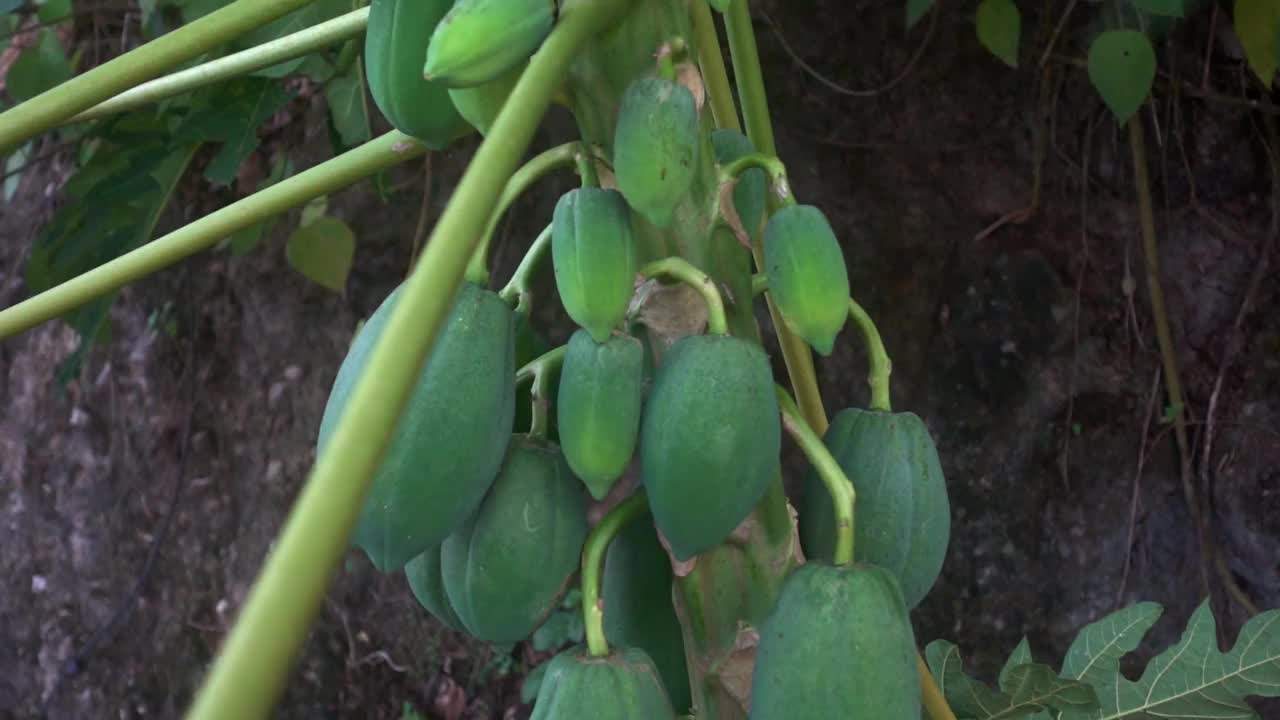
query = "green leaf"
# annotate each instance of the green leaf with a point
(8, 6)
(1258, 27)
(245, 240)
(1032, 688)
(301, 19)
(533, 683)
(323, 251)
(916, 10)
(13, 170)
(345, 95)
(51, 11)
(1165, 8)
(1122, 66)
(39, 68)
(1094, 656)
(1021, 655)
(999, 29)
(231, 113)
(1192, 679)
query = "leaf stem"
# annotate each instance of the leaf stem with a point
(714, 75)
(777, 172)
(877, 357)
(684, 271)
(325, 178)
(593, 556)
(838, 485)
(519, 287)
(539, 370)
(250, 672)
(52, 107)
(291, 46)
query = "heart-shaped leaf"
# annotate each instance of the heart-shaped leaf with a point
(999, 29)
(323, 251)
(1258, 27)
(1122, 66)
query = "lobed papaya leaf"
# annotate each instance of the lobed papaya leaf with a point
(1028, 689)
(231, 113)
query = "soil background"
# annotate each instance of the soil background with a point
(138, 502)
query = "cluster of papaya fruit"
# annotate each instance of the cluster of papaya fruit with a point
(486, 512)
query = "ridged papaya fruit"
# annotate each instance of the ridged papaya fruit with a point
(427, 584)
(623, 685)
(593, 255)
(598, 407)
(807, 275)
(709, 440)
(638, 609)
(395, 44)
(447, 448)
(655, 147)
(480, 104)
(479, 40)
(901, 506)
(508, 566)
(838, 644)
(749, 195)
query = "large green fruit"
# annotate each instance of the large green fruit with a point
(447, 448)
(598, 407)
(395, 45)
(838, 644)
(902, 510)
(593, 254)
(749, 194)
(479, 40)
(507, 567)
(710, 439)
(623, 685)
(480, 104)
(638, 609)
(427, 584)
(807, 276)
(655, 147)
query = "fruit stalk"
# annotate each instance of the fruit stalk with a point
(881, 365)
(519, 287)
(714, 75)
(593, 554)
(682, 270)
(539, 370)
(781, 195)
(837, 483)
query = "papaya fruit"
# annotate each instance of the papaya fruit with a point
(623, 685)
(638, 608)
(479, 40)
(807, 275)
(480, 104)
(749, 194)
(448, 445)
(427, 584)
(901, 506)
(598, 407)
(593, 255)
(838, 644)
(709, 440)
(655, 147)
(506, 569)
(395, 43)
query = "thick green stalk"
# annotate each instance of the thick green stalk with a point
(877, 357)
(250, 672)
(258, 57)
(54, 106)
(838, 485)
(714, 75)
(682, 270)
(593, 555)
(539, 371)
(520, 286)
(779, 187)
(327, 177)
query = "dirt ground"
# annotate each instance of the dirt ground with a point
(138, 503)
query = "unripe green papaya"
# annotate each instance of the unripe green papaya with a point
(480, 104)
(749, 194)
(598, 407)
(638, 609)
(710, 439)
(479, 40)
(903, 514)
(838, 644)
(593, 254)
(807, 275)
(623, 685)
(448, 445)
(427, 584)
(507, 567)
(656, 146)
(395, 44)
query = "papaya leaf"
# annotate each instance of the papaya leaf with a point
(38, 68)
(1257, 24)
(1094, 656)
(231, 113)
(916, 10)
(345, 95)
(1166, 8)
(999, 29)
(323, 251)
(1027, 688)
(1122, 66)
(1191, 679)
(1021, 655)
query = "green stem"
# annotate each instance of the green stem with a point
(838, 485)
(778, 183)
(54, 106)
(539, 370)
(261, 56)
(759, 283)
(327, 177)
(531, 172)
(593, 555)
(682, 270)
(715, 77)
(520, 287)
(877, 357)
(256, 657)
(586, 163)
